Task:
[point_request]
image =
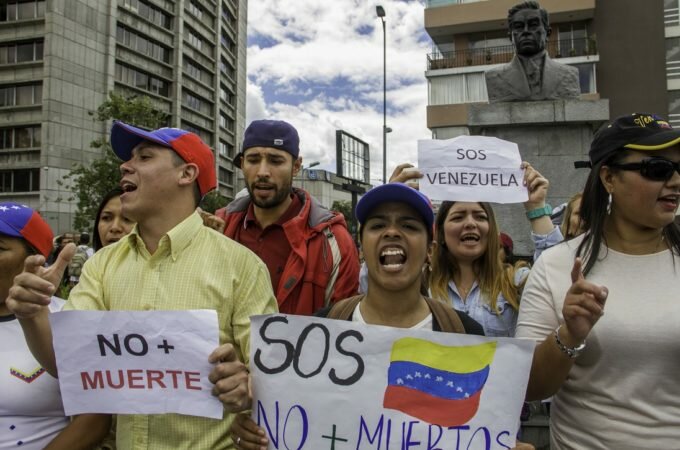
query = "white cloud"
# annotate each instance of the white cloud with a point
(324, 64)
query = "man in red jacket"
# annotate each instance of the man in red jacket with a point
(311, 256)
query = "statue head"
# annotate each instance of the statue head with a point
(528, 27)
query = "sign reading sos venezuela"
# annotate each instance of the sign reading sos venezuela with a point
(331, 384)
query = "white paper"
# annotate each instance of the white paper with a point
(318, 381)
(136, 362)
(471, 168)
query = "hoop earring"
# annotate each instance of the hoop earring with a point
(609, 204)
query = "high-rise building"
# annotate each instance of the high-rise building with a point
(59, 59)
(618, 46)
(672, 26)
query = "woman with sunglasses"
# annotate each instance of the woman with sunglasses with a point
(604, 305)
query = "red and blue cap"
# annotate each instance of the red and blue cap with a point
(22, 222)
(189, 147)
(395, 192)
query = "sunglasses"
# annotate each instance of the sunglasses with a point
(656, 169)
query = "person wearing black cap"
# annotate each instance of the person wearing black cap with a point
(311, 257)
(608, 335)
(170, 261)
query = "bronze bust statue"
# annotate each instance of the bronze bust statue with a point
(532, 74)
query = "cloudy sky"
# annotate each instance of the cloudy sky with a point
(319, 65)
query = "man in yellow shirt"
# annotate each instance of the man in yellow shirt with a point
(170, 261)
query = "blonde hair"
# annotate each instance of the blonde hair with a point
(566, 218)
(493, 277)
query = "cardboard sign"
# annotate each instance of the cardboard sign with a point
(324, 384)
(136, 362)
(471, 168)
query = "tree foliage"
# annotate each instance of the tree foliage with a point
(212, 201)
(344, 207)
(90, 182)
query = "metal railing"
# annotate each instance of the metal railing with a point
(671, 17)
(673, 69)
(436, 3)
(503, 54)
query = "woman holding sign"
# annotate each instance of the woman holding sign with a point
(31, 412)
(604, 305)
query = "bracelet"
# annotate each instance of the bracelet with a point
(571, 352)
(539, 212)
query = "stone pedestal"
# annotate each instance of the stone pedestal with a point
(551, 135)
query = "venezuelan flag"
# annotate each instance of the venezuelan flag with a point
(435, 383)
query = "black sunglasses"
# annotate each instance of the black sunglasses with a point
(657, 169)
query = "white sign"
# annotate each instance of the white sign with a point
(324, 384)
(471, 168)
(136, 362)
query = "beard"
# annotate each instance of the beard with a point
(280, 194)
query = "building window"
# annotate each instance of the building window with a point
(228, 42)
(195, 9)
(197, 103)
(20, 137)
(572, 40)
(22, 95)
(226, 122)
(21, 10)
(197, 72)
(21, 52)
(673, 58)
(142, 44)
(225, 149)
(228, 16)
(586, 76)
(205, 135)
(225, 176)
(150, 12)
(20, 180)
(460, 88)
(226, 68)
(195, 40)
(674, 108)
(141, 80)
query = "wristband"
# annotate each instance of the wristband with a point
(571, 352)
(539, 212)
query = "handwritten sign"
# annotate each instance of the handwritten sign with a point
(333, 384)
(136, 362)
(471, 168)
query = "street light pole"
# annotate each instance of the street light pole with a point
(380, 11)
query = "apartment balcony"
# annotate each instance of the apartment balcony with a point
(503, 54)
(444, 18)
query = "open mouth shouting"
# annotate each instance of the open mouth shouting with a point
(128, 186)
(392, 258)
(470, 238)
(669, 202)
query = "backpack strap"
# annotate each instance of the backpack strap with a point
(335, 270)
(343, 309)
(446, 316)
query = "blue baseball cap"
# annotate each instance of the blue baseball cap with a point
(189, 147)
(20, 221)
(395, 192)
(274, 134)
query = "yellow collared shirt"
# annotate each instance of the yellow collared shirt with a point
(194, 267)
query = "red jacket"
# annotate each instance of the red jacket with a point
(304, 286)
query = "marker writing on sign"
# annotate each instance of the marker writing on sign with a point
(473, 179)
(294, 353)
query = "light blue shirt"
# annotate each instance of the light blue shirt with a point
(545, 241)
(501, 324)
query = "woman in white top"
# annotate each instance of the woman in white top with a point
(31, 411)
(604, 305)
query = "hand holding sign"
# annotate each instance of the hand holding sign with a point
(471, 168)
(34, 287)
(537, 186)
(230, 379)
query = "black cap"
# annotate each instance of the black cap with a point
(637, 131)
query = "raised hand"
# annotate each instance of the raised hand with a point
(583, 307)
(537, 185)
(34, 287)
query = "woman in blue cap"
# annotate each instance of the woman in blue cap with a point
(604, 307)
(31, 411)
